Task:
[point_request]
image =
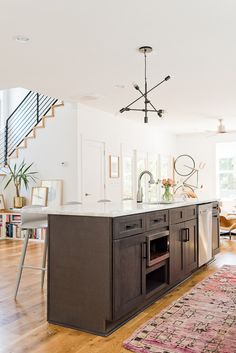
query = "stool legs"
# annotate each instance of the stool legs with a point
(45, 249)
(22, 260)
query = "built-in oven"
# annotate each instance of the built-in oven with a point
(157, 247)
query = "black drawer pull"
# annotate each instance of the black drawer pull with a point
(157, 220)
(187, 234)
(131, 226)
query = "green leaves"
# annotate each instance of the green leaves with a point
(21, 175)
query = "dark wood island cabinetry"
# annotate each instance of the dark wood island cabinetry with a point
(103, 270)
(183, 243)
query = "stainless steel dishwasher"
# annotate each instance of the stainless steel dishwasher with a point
(204, 233)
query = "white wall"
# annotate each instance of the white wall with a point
(60, 142)
(116, 131)
(203, 149)
(15, 96)
(10, 99)
(54, 145)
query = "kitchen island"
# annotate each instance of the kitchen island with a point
(107, 262)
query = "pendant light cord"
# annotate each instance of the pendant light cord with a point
(145, 90)
(145, 66)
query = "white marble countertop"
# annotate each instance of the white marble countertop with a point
(110, 209)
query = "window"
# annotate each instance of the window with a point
(127, 174)
(153, 167)
(226, 170)
(141, 160)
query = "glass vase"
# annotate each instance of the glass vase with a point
(167, 195)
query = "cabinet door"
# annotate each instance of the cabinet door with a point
(129, 256)
(215, 235)
(190, 246)
(176, 253)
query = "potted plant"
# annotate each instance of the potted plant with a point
(19, 176)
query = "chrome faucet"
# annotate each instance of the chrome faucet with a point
(140, 188)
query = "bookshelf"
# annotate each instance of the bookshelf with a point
(10, 227)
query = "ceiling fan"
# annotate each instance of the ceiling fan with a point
(221, 129)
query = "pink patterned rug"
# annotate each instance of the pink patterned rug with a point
(201, 321)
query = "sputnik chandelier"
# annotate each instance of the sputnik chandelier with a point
(145, 50)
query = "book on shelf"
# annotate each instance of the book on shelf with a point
(15, 218)
(10, 227)
(37, 234)
(13, 231)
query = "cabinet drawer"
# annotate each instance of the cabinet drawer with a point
(182, 214)
(176, 215)
(128, 225)
(156, 220)
(190, 212)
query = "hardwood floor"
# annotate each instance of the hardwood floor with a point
(23, 327)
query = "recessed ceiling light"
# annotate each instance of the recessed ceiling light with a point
(90, 97)
(21, 39)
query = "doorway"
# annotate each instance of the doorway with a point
(93, 171)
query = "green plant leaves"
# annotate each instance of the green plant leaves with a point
(20, 175)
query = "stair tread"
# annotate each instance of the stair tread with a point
(38, 127)
(58, 104)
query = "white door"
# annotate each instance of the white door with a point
(93, 171)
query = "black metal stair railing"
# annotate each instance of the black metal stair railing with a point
(21, 122)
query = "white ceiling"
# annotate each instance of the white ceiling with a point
(82, 48)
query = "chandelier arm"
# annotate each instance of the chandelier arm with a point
(138, 89)
(165, 79)
(151, 89)
(141, 110)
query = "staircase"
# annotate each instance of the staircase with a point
(23, 123)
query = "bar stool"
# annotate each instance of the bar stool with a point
(31, 221)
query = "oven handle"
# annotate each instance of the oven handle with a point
(144, 250)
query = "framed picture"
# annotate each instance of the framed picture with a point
(54, 192)
(39, 196)
(2, 203)
(114, 166)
